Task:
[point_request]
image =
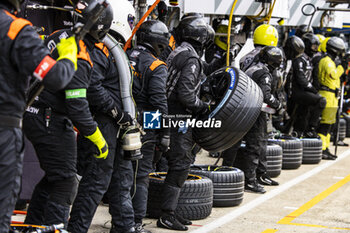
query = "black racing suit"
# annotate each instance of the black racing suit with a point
(250, 59)
(22, 54)
(256, 138)
(149, 93)
(103, 96)
(315, 61)
(185, 66)
(308, 103)
(48, 124)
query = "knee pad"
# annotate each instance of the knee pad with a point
(64, 191)
(322, 103)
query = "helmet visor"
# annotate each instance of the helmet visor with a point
(314, 47)
(131, 20)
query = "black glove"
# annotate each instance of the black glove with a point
(122, 118)
(312, 89)
(337, 61)
(164, 141)
(344, 64)
(205, 110)
(280, 110)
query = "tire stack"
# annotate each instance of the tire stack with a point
(312, 150)
(292, 152)
(228, 183)
(342, 129)
(347, 119)
(274, 157)
(195, 201)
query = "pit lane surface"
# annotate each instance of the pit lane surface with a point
(313, 198)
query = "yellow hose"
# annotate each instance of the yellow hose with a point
(270, 13)
(267, 17)
(229, 34)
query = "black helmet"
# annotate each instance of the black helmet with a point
(154, 35)
(311, 42)
(210, 37)
(294, 47)
(335, 47)
(193, 30)
(302, 29)
(194, 14)
(272, 56)
(86, 8)
(16, 4)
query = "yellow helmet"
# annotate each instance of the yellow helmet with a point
(321, 38)
(221, 40)
(323, 45)
(265, 35)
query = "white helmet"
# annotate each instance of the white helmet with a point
(123, 20)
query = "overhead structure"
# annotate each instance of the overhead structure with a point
(289, 10)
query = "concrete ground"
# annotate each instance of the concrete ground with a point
(313, 198)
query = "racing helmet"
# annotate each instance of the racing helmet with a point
(189, 14)
(154, 35)
(302, 29)
(335, 46)
(272, 56)
(193, 30)
(15, 3)
(86, 8)
(211, 35)
(294, 47)
(265, 35)
(221, 40)
(321, 38)
(311, 42)
(123, 20)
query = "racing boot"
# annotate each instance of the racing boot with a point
(254, 186)
(168, 221)
(327, 155)
(311, 134)
(139, 228)
(341, 143)
(183, 220)
(266, 180)
(114, 229)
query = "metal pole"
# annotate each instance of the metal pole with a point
(142, 8)
(332, 9)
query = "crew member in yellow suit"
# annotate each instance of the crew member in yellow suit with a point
(329, 74)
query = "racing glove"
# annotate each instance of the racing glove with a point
(67, 49)
(164, 141)
(100, 142)
(122, 118)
